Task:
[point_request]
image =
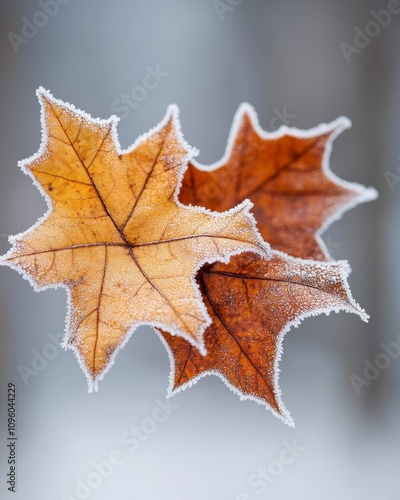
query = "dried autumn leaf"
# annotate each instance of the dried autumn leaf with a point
(286, 175)
(254, 302)
(116, 237)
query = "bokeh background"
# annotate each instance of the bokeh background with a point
(286, 59)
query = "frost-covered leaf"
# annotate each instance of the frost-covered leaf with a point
(115, 235)
(253, 303)
(286, 175)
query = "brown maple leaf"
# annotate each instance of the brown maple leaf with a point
(115, 235)
(254, 302)
(286, 175)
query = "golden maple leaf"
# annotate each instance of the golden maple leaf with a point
(117, 237)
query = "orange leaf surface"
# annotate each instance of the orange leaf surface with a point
(254, 302)
(286, 175)
(116, 237)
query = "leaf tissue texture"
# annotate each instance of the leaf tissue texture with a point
(254, 302)
(286, 175)
(116, 236)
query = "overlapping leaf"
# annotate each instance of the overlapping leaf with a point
(253, 302)
(286, 175)
(116, 237)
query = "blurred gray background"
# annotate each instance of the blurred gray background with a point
(286, 59)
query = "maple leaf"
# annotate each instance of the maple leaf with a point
(286, 175)
(254, 302)
(115, 235)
